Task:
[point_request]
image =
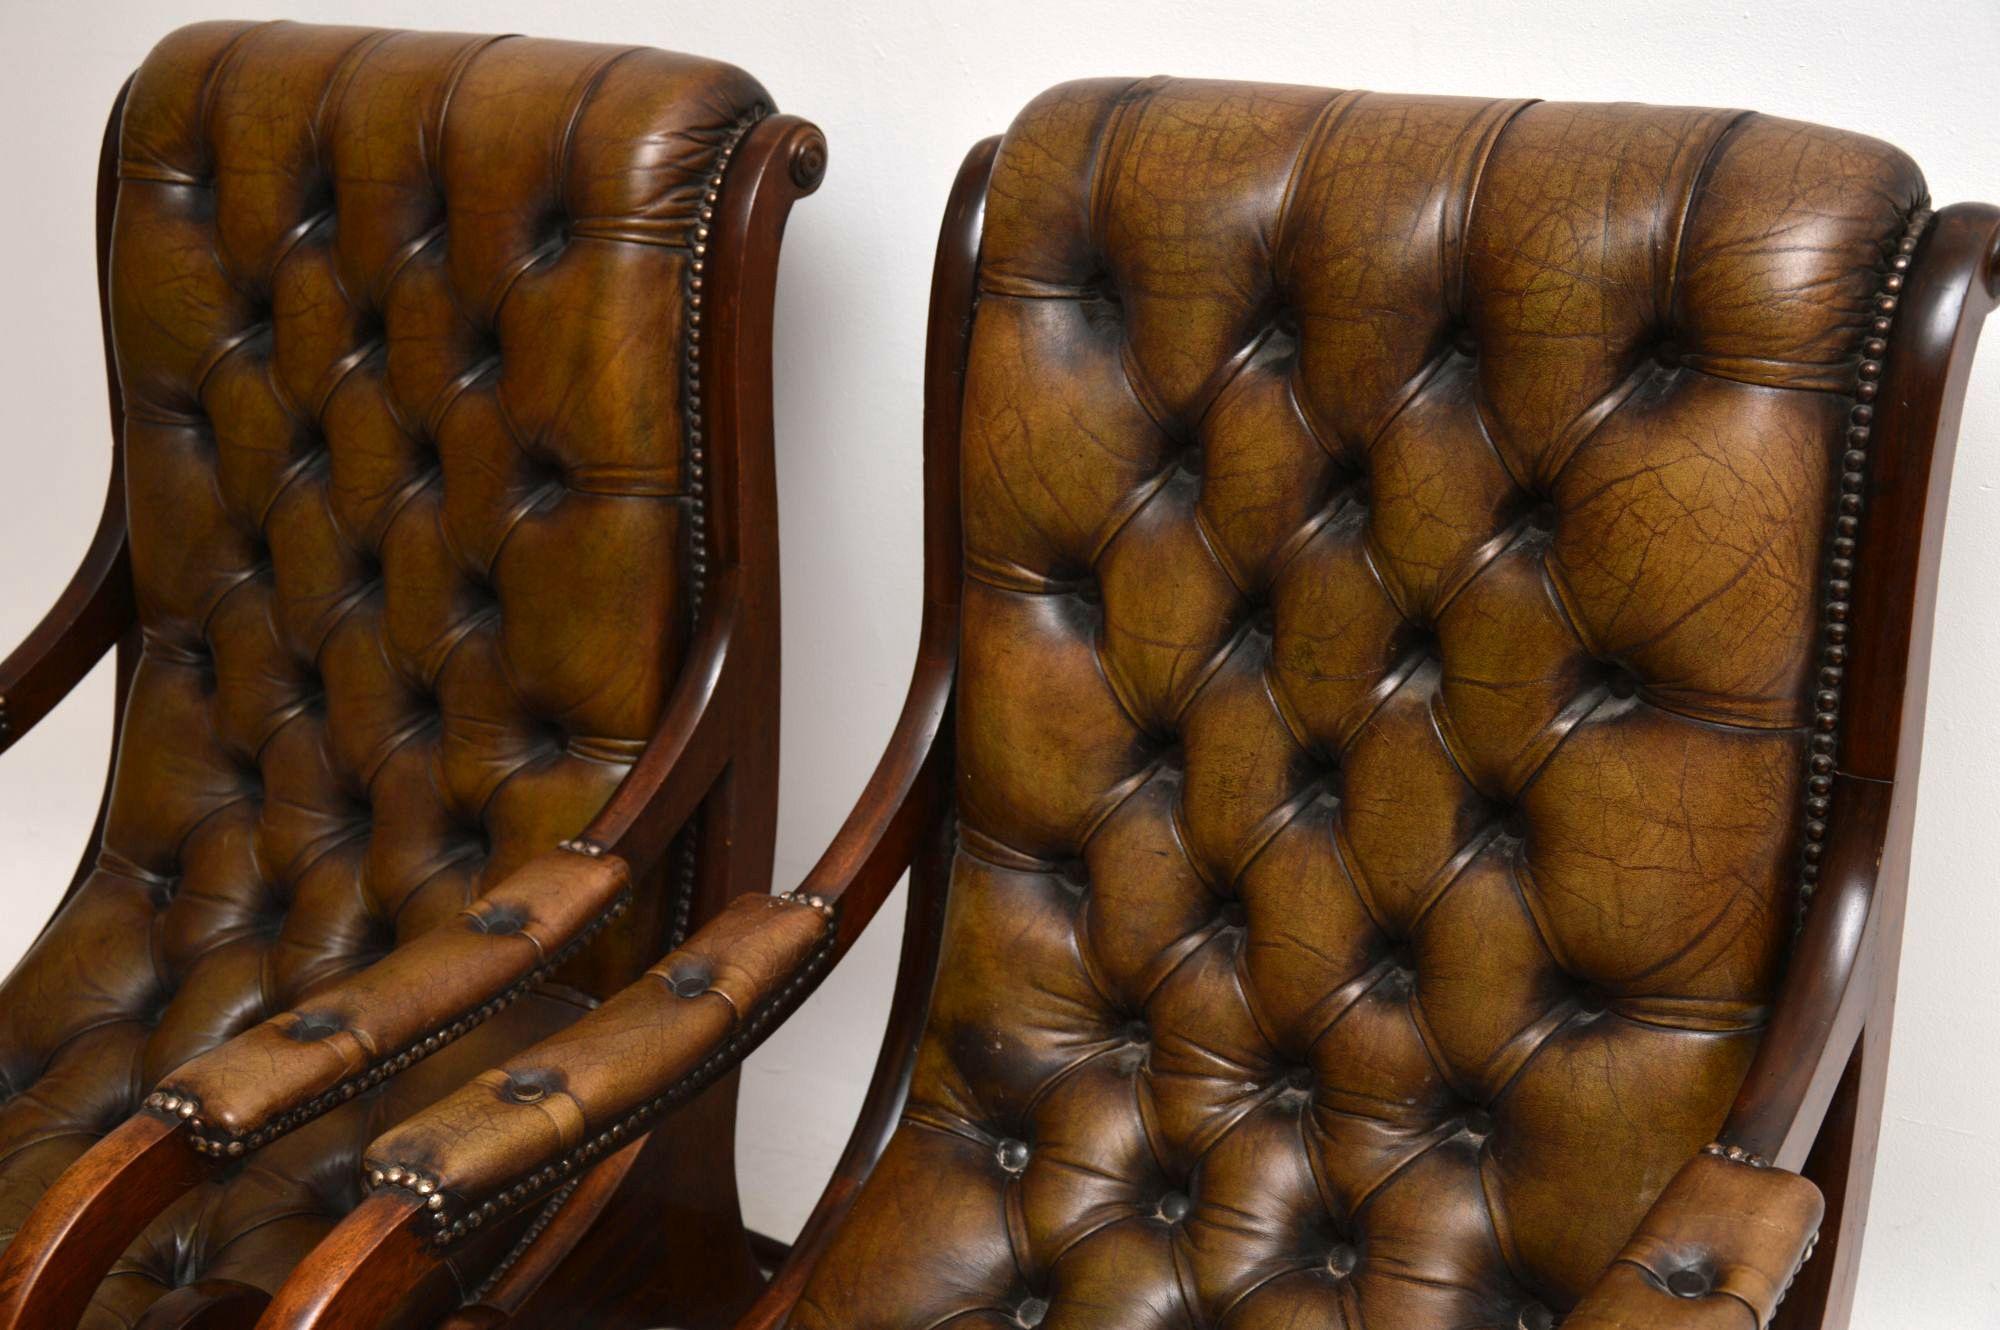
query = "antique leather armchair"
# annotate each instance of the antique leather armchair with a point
(440, 562)
(1407, 782)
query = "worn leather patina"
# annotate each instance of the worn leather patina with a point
(402, 323)
(1400, 535)
(1393, 527)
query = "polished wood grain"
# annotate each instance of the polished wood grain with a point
(96, 612)
(913, 779)
(93, 613)
(380, 1240)
(92, 1213)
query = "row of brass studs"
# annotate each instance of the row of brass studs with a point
(527, 1239)
(697, 274)
(1824, 744)
(1735, 1154)
(819, 903)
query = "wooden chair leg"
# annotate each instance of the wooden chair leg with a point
(1842, 1165)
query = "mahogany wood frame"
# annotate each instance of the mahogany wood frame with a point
(1812, 1099)
(712, 762)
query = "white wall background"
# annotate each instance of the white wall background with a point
(901, 91)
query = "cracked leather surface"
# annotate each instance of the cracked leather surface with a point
(1393, 528)
(399, 319)
(536, 1108)
(1718, 1249)
(345, 1029)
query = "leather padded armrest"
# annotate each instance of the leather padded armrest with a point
(1717, 1251)
(374, 1023)
(526, 1126)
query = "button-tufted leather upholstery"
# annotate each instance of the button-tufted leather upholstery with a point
(1393, 531)
(400, 320)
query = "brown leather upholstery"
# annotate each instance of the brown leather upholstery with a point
(1719, 1248)
(485, 957)
(540, 1117)
(402, 323)
(1394, 529)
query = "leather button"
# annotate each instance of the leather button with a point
(520, 1091)
(496, 921)
(1535, 1316)
(1619, 682)
(1341, 1260)
(1478, 1122)
(689, 979)
(307, 1029)
(1012, 1154)
(1689, 1283)
(1031, 1311)
(1173, 1207)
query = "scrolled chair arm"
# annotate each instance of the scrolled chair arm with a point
(522, 1129)
(291, 1068)
(1718, 1250)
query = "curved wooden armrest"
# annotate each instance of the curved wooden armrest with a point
(86, 621)
(368, 1026)
(1718, 1249)
(97, 606)
(523, 1129)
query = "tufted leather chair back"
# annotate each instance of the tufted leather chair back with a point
(1396, 537)
(403, 326)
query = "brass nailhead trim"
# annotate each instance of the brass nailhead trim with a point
(697, 443)
(452, 1226)
(820, 903)
(1823, 747)
(527, 1239)
(687, 863)
(207, 1139)
(6, 722)
(1735, 1154)
(691, 369)
(1812, 1244)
